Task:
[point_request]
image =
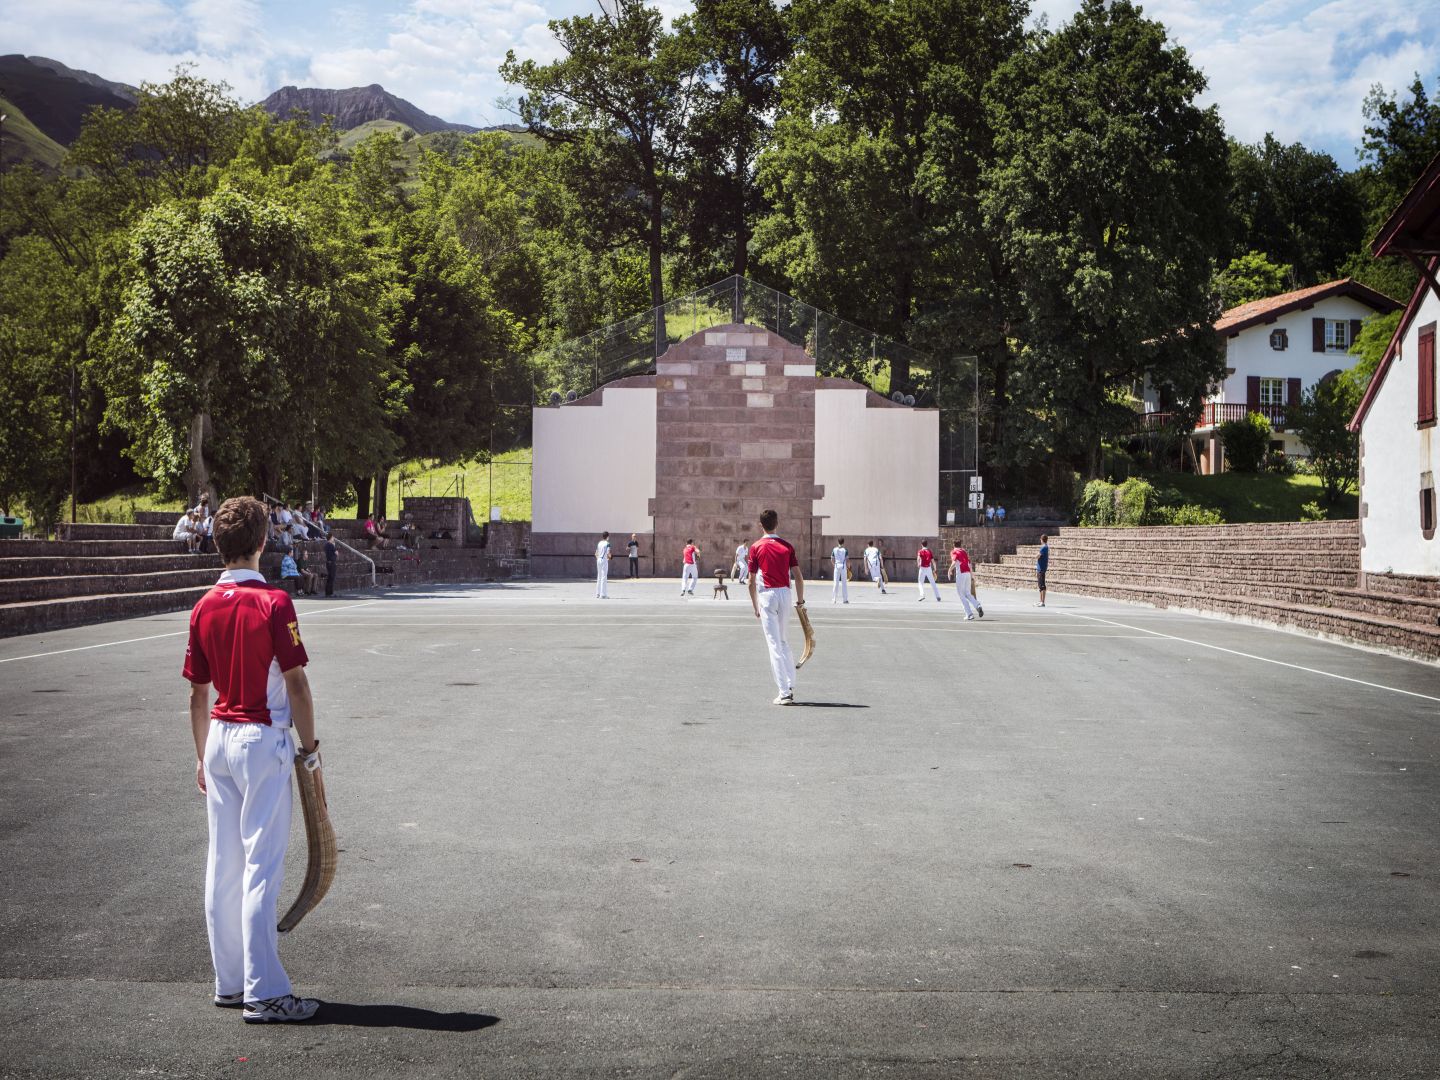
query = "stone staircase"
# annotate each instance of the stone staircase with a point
(1304, 575)
(96, 573)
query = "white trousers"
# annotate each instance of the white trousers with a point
(740, 572)
(691, 574)
(927, 573)
(841, 589)
(876, 575)
(774, 614)
(602, 577)
(962, 589)
(247, 784)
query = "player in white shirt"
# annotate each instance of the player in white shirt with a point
(874, 566)
(840, 590)
(741, 570)
(602, 567)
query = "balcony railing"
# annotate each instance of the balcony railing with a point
(1219, 412)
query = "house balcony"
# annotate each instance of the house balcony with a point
(1219, 412)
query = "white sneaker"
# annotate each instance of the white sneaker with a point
(230, 1001)
(787, 698)
(280, 1010)
(969, 618)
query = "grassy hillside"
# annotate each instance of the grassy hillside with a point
(25, 142)
(1244, 497)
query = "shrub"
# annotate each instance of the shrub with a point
(1279, 463)
(1097, 503)
(1134, 502)
(1312, 511)
(1246, 442)
(1188, 514)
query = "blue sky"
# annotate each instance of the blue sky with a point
(1299, 69)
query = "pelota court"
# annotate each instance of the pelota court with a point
(1095, 840)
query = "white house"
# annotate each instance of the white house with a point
(1275, 350)
(1399, 448)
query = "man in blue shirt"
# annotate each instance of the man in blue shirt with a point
(1042, 563)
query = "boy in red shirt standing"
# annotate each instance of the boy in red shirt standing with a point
(925, 560)
(689, 568)
(772, 564)
(960, 574)
(245, 638)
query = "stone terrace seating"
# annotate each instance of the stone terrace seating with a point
(105, 572)
(116, 574)
(1298, 574)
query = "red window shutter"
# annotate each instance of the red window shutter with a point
(1426, 366)
(1355, 325)
(1317, 335)
(1292, 391)
(1252, 392)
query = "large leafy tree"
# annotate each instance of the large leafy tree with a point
(1322, 421)
(235, 350)
(742, 46)
(1106, 189)
(617, 104)
(1294, 204)
(878, 149)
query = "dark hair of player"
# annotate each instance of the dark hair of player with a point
(240, 527)
(768, 520)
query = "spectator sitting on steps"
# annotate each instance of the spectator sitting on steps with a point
(203, 506)
(289, 574)
(186, 529)
(309, 580)
(375, 533)
(206, 528)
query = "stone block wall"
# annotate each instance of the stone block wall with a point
(735, 415)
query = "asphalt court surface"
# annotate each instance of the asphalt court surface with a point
(1090, 840)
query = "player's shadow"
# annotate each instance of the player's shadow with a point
(826, 705)
(342, 1014)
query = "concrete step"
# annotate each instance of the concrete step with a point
(1182, 576)
(85, 530)
(10, 549)
(39, 616)
(1414, 638)
(1290, 529)
(14, 590)
(59, 565)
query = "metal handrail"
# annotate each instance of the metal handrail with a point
(373, 582)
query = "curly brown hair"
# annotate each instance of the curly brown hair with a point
(240, 528)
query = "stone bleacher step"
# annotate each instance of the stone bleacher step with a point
(85, 530)
(37, 566)
(13, 590)
(39, 616)
(1416, 638)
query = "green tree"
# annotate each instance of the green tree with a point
(1246, 442)
(1248, 277)
(1295, 204)
(1322, 421)
(873, 177)
(1107, 185)
(230, 335)
(617, 102)
(742, 46)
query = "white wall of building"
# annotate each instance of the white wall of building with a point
(893, 492)
(1394, 456)
(595, 464)
(1249, 352)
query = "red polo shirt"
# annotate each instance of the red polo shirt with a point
(926, 556)
(690, 554)
(244, 635)
(771, 559)
(962, 560)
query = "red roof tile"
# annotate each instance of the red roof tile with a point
(1271, 307)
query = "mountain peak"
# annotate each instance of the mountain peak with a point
(355, 106)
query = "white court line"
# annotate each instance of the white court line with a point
(1252, 656)
(715, 624)
(174, 633)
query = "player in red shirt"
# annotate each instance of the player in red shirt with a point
(772, 565)
(960, 574)
(925, 560)
(245, 638)
(689, 568)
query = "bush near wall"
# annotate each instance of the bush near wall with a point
(1137, 502)
(1246, 442)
